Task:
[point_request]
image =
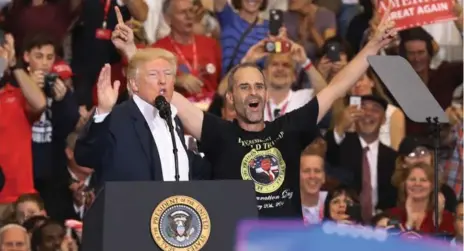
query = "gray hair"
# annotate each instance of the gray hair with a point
(231, 74)
(15, 226)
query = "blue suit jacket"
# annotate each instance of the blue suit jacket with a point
(122, 148)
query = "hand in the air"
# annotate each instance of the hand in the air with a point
(384, 33)
(189, 83)
(298, 53)
(107, 93)
(123, 36)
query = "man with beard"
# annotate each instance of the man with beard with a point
(280, 70)
(248, 147)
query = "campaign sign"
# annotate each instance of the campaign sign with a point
(413, 13)
(294, 236)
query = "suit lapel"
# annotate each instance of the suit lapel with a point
(147, 141)
(180, 132)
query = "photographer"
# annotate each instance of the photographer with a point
(21, 103)
(61, 115)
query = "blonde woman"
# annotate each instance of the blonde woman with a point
(392, 131)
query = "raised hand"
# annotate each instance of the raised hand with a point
(384, 33)
(298, 53)
(123, 36)
(107, 93)
(256, 52)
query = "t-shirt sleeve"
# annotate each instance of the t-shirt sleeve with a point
(303, 121)
(226, 15)
(212, 133)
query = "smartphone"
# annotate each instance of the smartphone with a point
(354, 211)
(355, 100)
(276, 21)
(333, 51)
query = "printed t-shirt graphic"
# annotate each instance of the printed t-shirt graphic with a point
(270, 158)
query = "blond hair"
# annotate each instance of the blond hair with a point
(429, 172)
(145, 55)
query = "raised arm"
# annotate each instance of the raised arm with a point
(219, 5)
(346, 78)
(35, 98)
(138, 9)
(190, 115)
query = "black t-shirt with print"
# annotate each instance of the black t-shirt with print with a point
(271, 157)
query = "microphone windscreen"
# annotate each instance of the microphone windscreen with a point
(160, 102)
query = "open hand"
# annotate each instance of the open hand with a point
(298, 53)
(123, 36)
(107, 93)
(256, 52)
(189, 83)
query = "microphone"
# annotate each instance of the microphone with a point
(165, 113)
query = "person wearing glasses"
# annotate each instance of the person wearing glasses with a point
(413, 151)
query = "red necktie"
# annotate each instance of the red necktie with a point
(366, 191)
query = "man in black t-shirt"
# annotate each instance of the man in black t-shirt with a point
(269, 152)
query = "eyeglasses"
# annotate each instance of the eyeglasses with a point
(418, 152)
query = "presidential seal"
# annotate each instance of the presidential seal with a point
(180, 223)
(266, 168)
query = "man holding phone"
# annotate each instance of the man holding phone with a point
(335, 55)
(60, 118)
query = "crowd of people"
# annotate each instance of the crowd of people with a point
(314, 127)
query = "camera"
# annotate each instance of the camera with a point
(277, 46)
(49, 81)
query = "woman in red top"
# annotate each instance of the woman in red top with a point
(416, 202)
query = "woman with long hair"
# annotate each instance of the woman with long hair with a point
(392, 131)
(337, 204)
(416, 202)
(413, 151)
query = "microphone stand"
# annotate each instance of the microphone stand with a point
(435, 127)
(166, 114)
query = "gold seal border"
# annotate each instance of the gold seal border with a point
(177, 201)
(264, 188)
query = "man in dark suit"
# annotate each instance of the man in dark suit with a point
(72, 190)
(371, 162)
(130, 141)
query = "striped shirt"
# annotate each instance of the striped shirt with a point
(452, 167)
(232, 28)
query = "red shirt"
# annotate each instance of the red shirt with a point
(427, 224)
(208, 55)
(16, 150)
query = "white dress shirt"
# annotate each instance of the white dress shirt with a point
(80, 209)
(372, 157)
(315, 214)
(160, 131)
(293, 101)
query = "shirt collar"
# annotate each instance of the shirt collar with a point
(148, 110)
(373, 147)
(74, 177)
(279, 106)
